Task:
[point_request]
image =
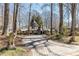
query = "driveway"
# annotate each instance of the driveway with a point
(41, 47)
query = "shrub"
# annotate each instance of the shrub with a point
(46, 32)
(65, 31)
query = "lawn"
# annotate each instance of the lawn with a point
(17, 52)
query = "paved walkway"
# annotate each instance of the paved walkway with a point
(41, 47)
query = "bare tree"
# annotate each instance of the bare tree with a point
(29, 18)
(61, 18)
(67, 13)
(19, 13)
(6, 18)
(51, 18)
(12, 35)
(15, 17)
(73, 25)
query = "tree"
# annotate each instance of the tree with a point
(73, 25)
(61, 19)
(19, 13)
(51, 15)
(29, 18)
(6, 18)
(15, 16)
(51, 19)
(38, 21)
(45, 14)
(12, 35)
(67, 9)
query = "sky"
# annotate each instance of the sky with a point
(37, 7)
(26, 7)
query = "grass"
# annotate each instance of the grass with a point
(18, 52)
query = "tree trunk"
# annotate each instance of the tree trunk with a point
(6, 18)
(19, 17)
(13, 35)
(29, 18)
(73, 25)
(15, 17)
(51, 19)
(61, 18)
